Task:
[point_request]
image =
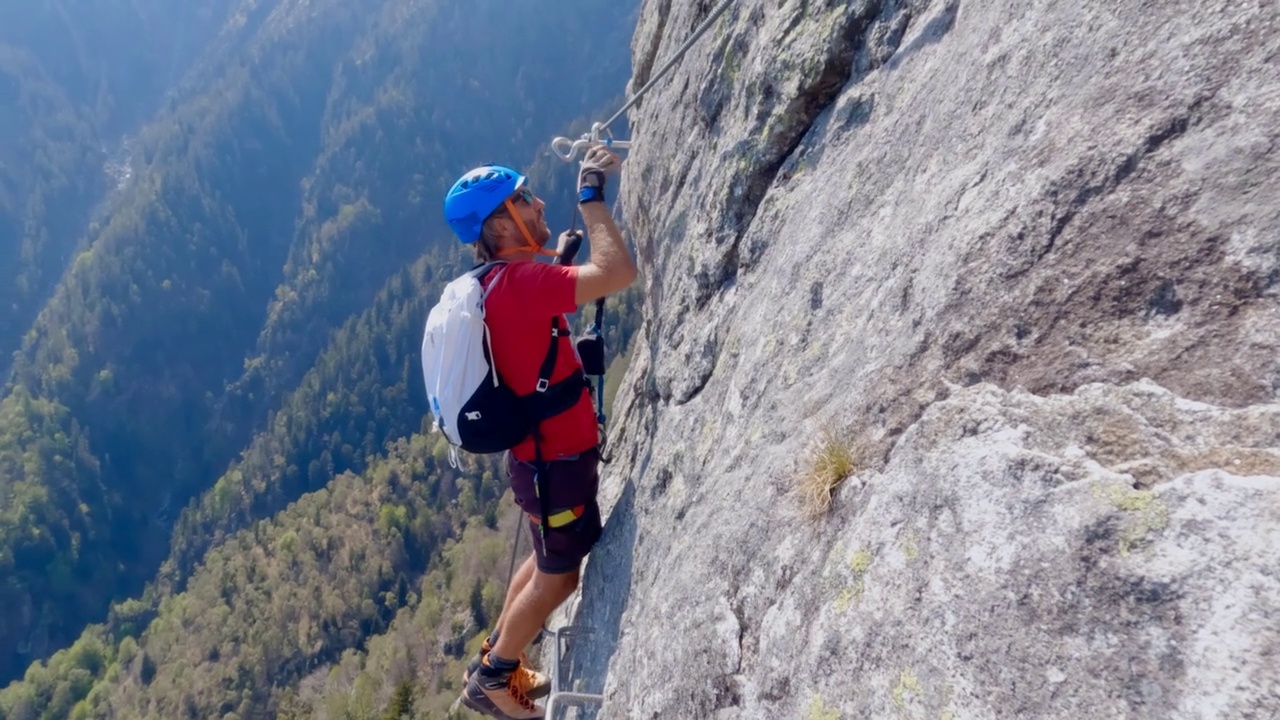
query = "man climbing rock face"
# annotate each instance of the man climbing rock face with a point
(554, 479)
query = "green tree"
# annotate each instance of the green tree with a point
(401, 705)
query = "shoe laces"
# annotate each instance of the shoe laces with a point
(519, 685)
(529, 677)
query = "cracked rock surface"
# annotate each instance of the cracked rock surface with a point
(1024, 259)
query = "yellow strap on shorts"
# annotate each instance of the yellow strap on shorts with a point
(563, 517)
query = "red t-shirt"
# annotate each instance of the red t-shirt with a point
(518, 310)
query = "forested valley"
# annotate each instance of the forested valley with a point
(220, 495)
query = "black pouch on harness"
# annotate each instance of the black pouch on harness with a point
(591, 345)
(591, 350)
(493, 419)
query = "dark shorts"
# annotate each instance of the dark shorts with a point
(575, 527)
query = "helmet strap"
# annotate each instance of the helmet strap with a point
(530, 245)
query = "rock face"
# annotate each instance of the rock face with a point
(1023, 259)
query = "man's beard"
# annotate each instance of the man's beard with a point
(542, 233)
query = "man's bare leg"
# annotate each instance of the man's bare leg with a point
(514, 586)
(524, 618)
(519, 580)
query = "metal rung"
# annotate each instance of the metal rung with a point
(557, 666)
(560, 694)
(574, 698)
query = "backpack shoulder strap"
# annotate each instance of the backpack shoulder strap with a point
(547, 398)
(480, 271)
(481, 274)
(549, 362)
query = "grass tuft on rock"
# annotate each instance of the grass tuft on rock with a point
(828, 463)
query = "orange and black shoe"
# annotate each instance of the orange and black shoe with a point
(503, 694)
(539, 685)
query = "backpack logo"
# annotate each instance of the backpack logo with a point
(473, 416)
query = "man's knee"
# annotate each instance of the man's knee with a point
(558, 585)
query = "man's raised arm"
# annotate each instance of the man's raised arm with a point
(611, 268)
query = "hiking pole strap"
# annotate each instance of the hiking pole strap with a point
(540, 471)
(600, 418)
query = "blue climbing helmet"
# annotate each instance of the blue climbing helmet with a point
(477, 194)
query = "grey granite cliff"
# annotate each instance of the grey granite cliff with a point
(1022, 258)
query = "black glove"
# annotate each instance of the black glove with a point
(595, 166)
(567, 249)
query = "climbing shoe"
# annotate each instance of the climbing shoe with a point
(539, 685)
(502, 694)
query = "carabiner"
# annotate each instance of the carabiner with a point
(568, 149)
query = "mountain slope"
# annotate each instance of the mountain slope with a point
(151, 319)
(364, 390)
(271, 604)
(50, 169)
(283, 168)
(73, 83)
